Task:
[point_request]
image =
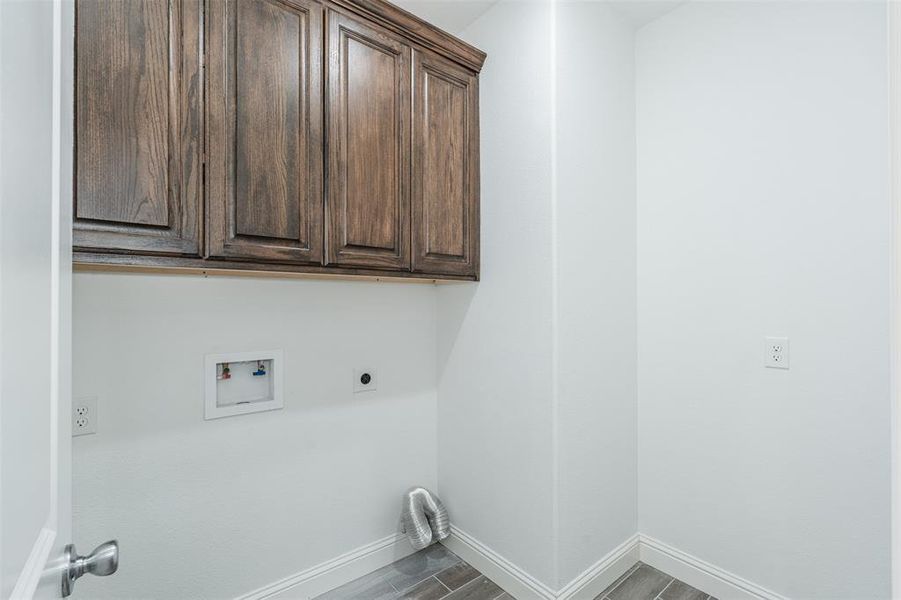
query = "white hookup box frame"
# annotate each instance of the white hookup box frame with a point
(243, 392)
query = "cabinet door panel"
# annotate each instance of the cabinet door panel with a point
(445, 167)
(138, 115)
(265, 151)
(369, 146)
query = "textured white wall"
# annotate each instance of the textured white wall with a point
(552, 487)
(763, 209)
(595, 222)
(214, 509)
(494, 339)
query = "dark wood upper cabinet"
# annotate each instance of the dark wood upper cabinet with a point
(369, 145)
(309, 136)
(138, 126)
(445, 167)
(264, 119)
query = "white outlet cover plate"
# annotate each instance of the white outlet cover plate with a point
(373, 384)
(775, 352)
(84, 415)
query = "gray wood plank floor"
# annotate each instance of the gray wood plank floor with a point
(644, 582)
(436, 573)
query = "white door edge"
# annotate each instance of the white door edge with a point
(40, 576)
(894, 62)
(35, 566)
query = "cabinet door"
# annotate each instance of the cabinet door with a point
(264, 157)
(138, 124)
(445, 167)
(369, 145)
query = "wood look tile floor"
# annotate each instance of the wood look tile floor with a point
(436, 573)
(644, 582)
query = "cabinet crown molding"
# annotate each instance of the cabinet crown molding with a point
(424, 33)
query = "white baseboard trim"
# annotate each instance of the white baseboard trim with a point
(594, 580)
(495, 567)
(701, 574)
(333, 573)
(523, 586)
(598, 577)
(517, 582)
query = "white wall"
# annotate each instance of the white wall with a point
(763, 209)
(537, 364)
(596, 309)
(214, 509)
(495, 443)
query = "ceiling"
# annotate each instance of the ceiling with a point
(641, 12)
(452, 16)
(456, 15)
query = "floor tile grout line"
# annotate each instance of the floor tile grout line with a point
(472, 583)
(443, 596)
(671, 581)
(502, 591)
(456, 590)
(446, 591)
(411, 586)
(444, 585)
(453, 567)
(447, 587)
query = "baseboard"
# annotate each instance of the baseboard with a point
(594, 580)
(701, 574)
(598, 577)
(333, 573)
(523, 586)
(514, 580)
(517, 582)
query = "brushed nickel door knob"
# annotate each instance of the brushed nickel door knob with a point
(103, 561)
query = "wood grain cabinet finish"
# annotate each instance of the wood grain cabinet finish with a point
(138, 126)
(264, 109)
(369, 145)
(445, 167)
(336, 137)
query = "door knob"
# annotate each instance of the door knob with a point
(103, 561)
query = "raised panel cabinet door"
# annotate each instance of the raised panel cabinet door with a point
(369, 145)
(445, 167)
(138, 126)
(264, 156)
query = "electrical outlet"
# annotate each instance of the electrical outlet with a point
(84, 415)
(365, 380)
(775, 352)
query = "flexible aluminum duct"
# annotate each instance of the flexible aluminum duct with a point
(424, 517)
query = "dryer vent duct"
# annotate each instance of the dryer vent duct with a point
(424, 518)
